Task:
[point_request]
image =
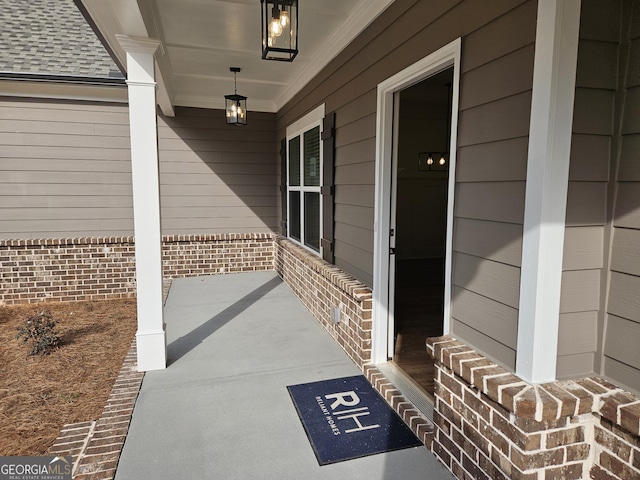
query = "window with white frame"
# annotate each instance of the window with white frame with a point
(304, 180)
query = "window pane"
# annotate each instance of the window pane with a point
(294, 215)
(294, 161)
(312, 157)
(312, 220)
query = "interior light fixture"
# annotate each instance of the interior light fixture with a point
(427, 161)
(279, 29)
(235, 105)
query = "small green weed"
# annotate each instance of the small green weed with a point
(40, 332)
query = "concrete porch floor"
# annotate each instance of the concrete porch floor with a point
(221, 409)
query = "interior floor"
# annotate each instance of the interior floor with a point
(418, 314)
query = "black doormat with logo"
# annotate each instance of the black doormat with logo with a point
(345, 418)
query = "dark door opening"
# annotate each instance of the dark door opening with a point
(421, 178)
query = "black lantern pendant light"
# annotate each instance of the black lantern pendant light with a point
(279, 30)
(236, 105)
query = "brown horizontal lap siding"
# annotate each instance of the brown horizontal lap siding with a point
(493, 129)
(65, 169)
(404, 34)
(584, 275)
(621, 357)
(215, 178)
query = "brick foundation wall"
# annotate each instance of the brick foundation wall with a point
(490, 424)
(320, 285)
(191, 255)
(104, 268)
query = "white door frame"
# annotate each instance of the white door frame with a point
(445, 57)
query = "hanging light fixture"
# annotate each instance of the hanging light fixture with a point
(236, 105)
(279, 29)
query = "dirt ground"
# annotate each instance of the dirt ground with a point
(39, 394)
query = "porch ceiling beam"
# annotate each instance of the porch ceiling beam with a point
(554, 81)
(124, 17)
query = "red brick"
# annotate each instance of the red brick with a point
(494, 385)
(618, 468)
(564, 437)
(566, 472)
(450, 446)
(609, 408)
(612, 443)
(585, 398)
(441, 453)
(475, 437)
(473, 469)
(523, 440)
(477, 404)
(489, 468)
(496, 439)
(577, 452)
(630, 418)
(508, 395)
(451, 383)
(598, 473)
(539, 460)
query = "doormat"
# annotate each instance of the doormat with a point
(345, 418)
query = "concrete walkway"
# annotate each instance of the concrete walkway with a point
(221, 409)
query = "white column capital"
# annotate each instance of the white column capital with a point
(140, 58)
(132, 44)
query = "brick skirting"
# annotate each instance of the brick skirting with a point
(490, 424)
(75, 269)
(321, 286)
(96, 446)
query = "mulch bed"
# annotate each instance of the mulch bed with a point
(41, 393)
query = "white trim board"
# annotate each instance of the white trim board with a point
(445, 57)
(554, 82)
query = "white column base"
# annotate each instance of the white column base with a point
(152, 350)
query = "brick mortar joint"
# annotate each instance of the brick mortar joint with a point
(130, 239)
(607, 399)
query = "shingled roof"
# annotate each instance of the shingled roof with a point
(51, 37)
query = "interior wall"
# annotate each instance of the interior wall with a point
(421, 193)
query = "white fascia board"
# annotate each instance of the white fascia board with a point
(550, 129)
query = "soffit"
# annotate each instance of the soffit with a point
(201, 39)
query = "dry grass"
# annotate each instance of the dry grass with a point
(39, 394)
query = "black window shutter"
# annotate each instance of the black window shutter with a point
(283, 185)
(327, 190)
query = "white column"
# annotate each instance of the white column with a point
(554, 78)
(151, 340)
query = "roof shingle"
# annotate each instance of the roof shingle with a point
(51, 37)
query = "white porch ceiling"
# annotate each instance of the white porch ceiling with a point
(201, 39)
